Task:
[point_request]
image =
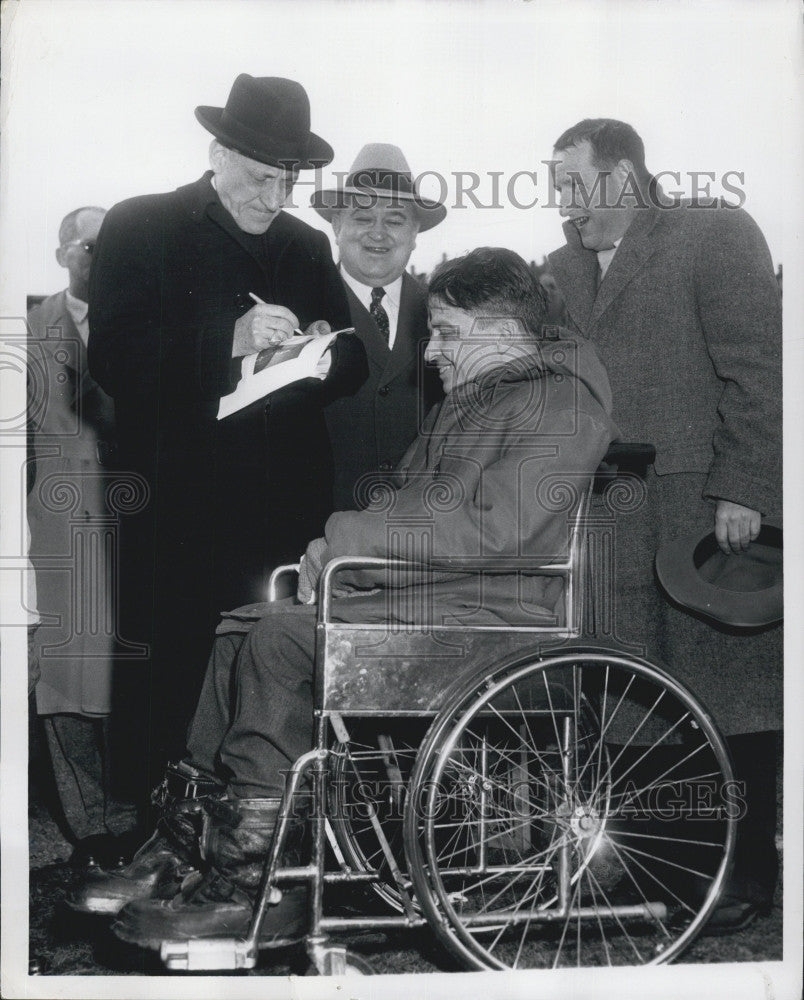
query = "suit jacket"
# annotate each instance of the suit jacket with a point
(73, 442)
(688, 323)
(371, 430)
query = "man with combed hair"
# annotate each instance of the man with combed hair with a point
(681, 301)
(520, 412)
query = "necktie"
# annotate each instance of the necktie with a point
(378, 312)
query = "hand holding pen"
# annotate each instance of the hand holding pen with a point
(266, 325)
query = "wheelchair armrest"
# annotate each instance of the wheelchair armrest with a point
(624, 458)
(458, 565)
(275, 578)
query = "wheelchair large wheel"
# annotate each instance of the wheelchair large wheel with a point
(572, 809)
(371, 772)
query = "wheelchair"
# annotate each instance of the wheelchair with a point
(536, 799)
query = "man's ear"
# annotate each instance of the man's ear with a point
(60, 256)
(337, 222)
(217, 155)
(624, 170)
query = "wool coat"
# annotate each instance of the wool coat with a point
(371, 430)
(225, 500)
(687, 321)
(480, 485)
(73, 534)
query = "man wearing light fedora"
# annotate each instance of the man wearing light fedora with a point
(173, 307)
(376, 216)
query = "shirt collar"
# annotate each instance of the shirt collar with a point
(76, 307)
(393, 292)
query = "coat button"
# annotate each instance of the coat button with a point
(386, 466)
(383, 390)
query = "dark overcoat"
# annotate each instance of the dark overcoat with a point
(371, 430)
(688, 323)
(171, 275)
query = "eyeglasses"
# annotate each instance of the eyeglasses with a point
(88, 246)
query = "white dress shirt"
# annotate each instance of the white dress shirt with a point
(78, 311)
(389, 301)
(604, 257)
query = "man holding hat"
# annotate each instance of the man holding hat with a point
(376, 216)
(185, 284)
(681, 301)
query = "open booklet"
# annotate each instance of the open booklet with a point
(278, 366)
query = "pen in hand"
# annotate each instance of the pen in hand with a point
(260, 302)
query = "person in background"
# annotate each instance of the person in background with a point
(376, 216)
(681, 301)
(73, 441)
(185, 284)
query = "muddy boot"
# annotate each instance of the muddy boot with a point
(236, 840)
(160, 866)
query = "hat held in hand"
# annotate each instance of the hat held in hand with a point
(380, 170)
(267, 118)
(743, 590)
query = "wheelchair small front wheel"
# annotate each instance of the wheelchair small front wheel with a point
(570, 809)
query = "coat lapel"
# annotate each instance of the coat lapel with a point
(402, 357)
(576, 269)
(636, 247)
(59, 318)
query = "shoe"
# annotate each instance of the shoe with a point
(160, 866)
(732, 915)
(237, 838)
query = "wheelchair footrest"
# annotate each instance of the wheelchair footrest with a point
(208, 953)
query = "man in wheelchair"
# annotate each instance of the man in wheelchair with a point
(526, 414)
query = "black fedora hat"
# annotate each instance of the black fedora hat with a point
(743, 590)
(267, 118)
(380, 170)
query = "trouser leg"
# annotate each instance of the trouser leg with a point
(756, 862)
(273, 715)
(75, 753)
(120, 816)
(213, 712)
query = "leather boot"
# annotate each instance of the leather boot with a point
(236, 840)
(160, 866)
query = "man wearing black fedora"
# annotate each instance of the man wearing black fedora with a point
(376, 216)
(184, 285)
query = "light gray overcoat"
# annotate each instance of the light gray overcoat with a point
(688, 324)
(72, 537)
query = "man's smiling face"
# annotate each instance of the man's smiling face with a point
(592, 197)
(375, 242)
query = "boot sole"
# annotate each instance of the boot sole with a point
(97, 907)
(121, 930)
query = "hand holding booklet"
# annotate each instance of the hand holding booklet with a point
(278, 366)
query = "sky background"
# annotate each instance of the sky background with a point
(100, 105)
(97, 105)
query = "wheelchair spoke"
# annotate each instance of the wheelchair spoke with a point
(554, 781)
